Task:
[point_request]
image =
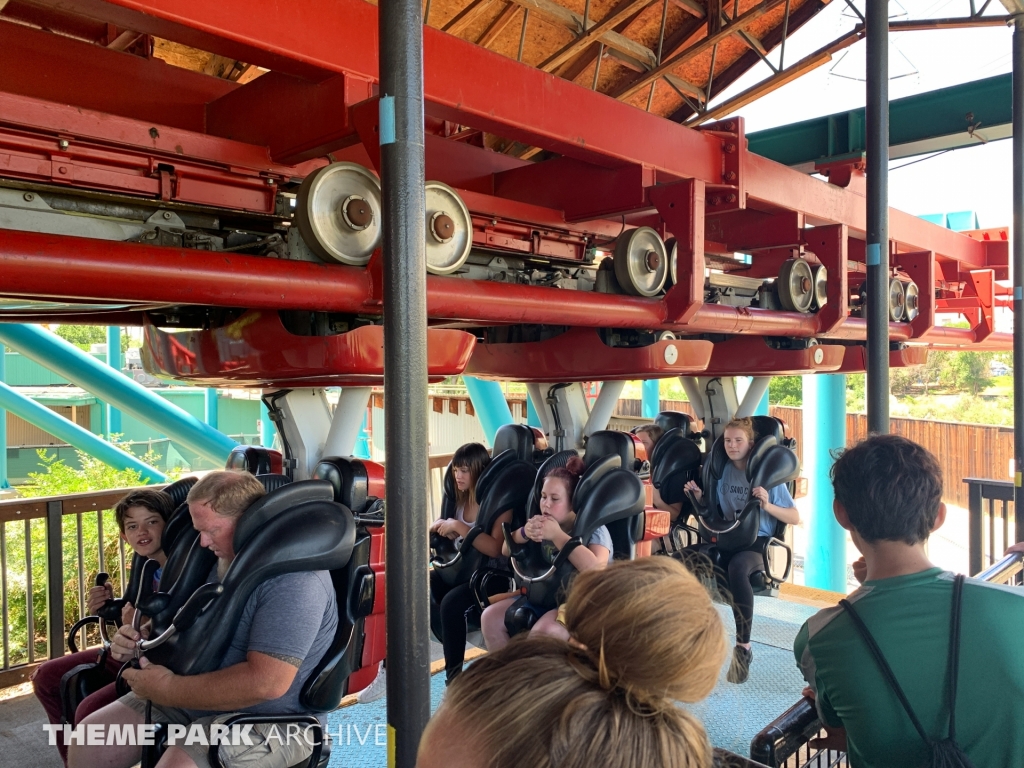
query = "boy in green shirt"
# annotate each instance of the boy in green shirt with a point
(888, 493)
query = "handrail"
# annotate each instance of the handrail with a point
(782, 738)
(982, 497)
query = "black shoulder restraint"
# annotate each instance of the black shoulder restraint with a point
(945, 753)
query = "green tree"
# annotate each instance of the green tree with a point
(786, 390)
(967, 371)
(83, 336)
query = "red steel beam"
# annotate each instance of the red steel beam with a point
(470, 85)
(59, 69)
(62, 267)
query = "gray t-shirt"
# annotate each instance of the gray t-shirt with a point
(292, 617)
(734, 492)
(603, 538)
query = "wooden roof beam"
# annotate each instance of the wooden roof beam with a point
(466, 16)
(622, 11)
(560, 16)
(498, 25)
(706, 44)
(691, 7)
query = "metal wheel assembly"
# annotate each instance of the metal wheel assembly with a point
(820, 274)
(672, 248)
(796, 285)
(338, 212)
(911, 303)
(897, 300)
(641, 262)
(449, 229)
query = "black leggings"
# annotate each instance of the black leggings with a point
(737, 568)
(448, 620)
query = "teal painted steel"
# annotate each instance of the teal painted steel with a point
(490, 405)
(762, 406)
(210, 411)
(362, 450)
(930, 121)
(85, 371)
(71, 433)
(650, 398)
(824, 432)
(267, 426)
(4, 484)
(113, 426)
(532, 417)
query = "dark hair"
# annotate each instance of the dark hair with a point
(473, 457)
(150, 498)
(570, 474)
(890, 487)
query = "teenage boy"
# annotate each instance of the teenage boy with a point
(140, 516)
(888, 494)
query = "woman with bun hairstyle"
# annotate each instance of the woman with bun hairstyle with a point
(734, 492)
(553, 524)
(644, 635)
(449, 606)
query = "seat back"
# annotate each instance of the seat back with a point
(559, 459)
(669, 420)
(357, 483)
(514, 437)
(674, 462)
(292, 529)
(255, 460)
(608, 442)
(503, 485)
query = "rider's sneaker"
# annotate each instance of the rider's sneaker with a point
(739, 670)
(376, 689)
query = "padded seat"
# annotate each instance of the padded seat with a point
(608, 442)
(669, 420)
(255, 460)
(514, 437)
(358, 483)
(606, 494)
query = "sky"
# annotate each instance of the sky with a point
(975, 178)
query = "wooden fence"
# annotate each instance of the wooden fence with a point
(963, 450)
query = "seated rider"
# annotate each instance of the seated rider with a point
(888, 495)
(643, 636)
(734, 492)
(552, 525)
(287, 625)
(140, 516)
(450, 603)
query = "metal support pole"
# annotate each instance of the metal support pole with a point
(650, 398)
(4, 484)
(347, 421)
(1018, 273)
(490, 405)
(755, 398)
(114, 361)
(405, 387)
(54, 579)
(532, 417)
(825, 408)
(603, 407)
(877, 310)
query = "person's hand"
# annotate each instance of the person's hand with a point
(548, 527)
(98, 596)
(122, 644)
(860, 569)
(448, 529)
(693, 488)
(127, 613)
(150, 682)
(1018, 547)
(760, 494)
(436, 525)
(834, 738)
(808, 693)
(534, 529)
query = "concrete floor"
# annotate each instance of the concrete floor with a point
(23, 742)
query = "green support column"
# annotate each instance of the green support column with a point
(824, 432)
(650, 398)
(532, 417)
(113, 415)
(490, 405)
(211, 413)
(3, 424)
(267, 427)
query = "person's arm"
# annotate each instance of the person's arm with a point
(452, 528)
(582, 558)
(693, 488)
(672, 509)
(789, 515)
(258, 679)
(492, 544)
(97, 596)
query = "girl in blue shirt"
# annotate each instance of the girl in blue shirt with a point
(777, 505)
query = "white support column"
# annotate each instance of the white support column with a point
(718, 394)
(538, 394)
(752, 398)
(603, 407)
(305, 423)
(347, 421)
(565, 412)
(693, 394)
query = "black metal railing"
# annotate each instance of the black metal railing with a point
(993, 523)
(50, 550)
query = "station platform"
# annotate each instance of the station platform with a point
(732, 715)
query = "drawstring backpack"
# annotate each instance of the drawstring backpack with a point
(945, 753)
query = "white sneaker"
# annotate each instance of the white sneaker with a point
(376, 689)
